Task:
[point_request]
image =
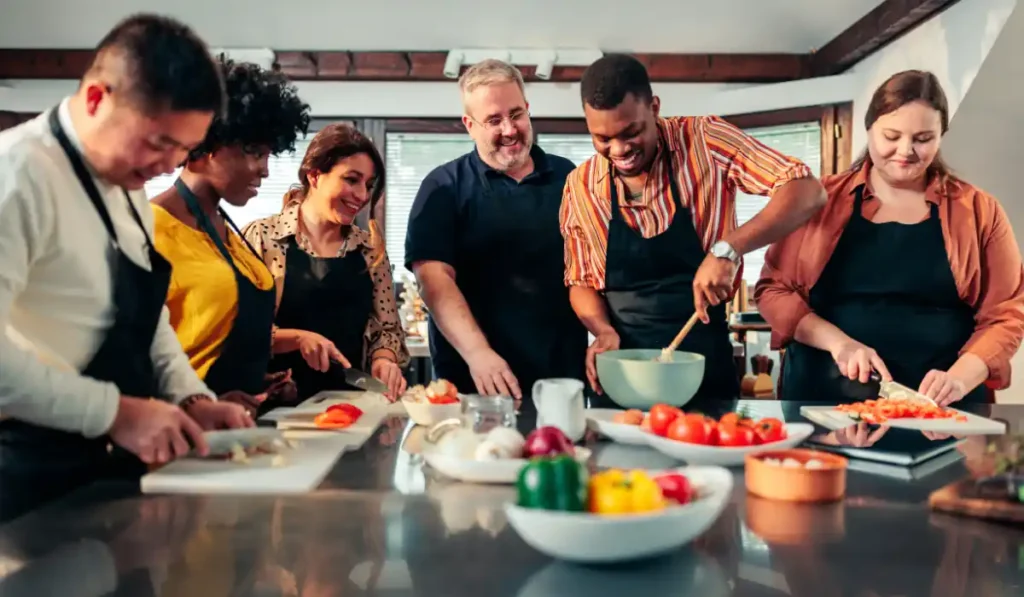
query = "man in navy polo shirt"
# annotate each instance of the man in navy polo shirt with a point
(484, 242)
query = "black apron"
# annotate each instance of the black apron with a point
(245, 355)
(890, 287)
(39, 464)
(511, 273)
(649, 290)
(333, 297)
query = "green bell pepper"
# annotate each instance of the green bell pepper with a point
(553, 483)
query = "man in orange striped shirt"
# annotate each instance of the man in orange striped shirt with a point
(636, 272)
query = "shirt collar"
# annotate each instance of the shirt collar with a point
(286, 224)
(64, 117)
(936, 191)
(604, 165)
(541, 165)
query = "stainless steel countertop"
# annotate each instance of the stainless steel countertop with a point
(381, 525)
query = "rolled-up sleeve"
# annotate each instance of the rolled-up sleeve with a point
(753, 167)
(999, 319)
(780, 299)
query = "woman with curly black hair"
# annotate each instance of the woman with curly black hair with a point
(222, 298)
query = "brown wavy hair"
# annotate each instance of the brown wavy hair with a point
(905, 88)
(332, 144)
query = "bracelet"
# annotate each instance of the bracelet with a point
(190, 400)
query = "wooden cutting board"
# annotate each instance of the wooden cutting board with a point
(303, 469)
(961, 499)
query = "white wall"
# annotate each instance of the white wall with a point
(441, 99)
(984, 142)
(953, 45)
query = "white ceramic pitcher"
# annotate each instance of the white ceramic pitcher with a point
(559, 404)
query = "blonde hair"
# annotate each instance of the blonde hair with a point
(490, 72)
(332, 144)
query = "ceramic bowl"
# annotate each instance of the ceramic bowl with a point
(426, 414)
(796, 484)
(635, 379)
(593, 539)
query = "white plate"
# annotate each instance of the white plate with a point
(593, 539)
(485, 471)
(796, 433)
(829, 417)
(601, 421)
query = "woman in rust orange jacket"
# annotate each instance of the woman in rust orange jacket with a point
(908, 272)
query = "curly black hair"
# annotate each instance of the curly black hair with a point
(608, 81)
(263, 110)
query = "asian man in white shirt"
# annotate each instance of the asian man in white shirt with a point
(93, 381)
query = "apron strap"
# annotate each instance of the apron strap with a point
(192, 203)
(87, 182)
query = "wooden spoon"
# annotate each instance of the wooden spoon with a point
(666, 353)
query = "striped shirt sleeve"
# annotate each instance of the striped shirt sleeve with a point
(753, 167)
(583, 260)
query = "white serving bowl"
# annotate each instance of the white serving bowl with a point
(600, 539)
(600, 419)
(426, 414)
(796, 434)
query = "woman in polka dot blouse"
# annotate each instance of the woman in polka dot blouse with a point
(336, 304)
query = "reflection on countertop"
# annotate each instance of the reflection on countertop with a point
(383, 524)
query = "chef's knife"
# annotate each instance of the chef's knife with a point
(897, 391)
(365, 381)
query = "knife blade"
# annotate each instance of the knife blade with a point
(897, 391)
(364, 381)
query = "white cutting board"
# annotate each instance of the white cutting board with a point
(374, 406)
(829, 417)
(305, 467)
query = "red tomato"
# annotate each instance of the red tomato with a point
(334, 419)
(675, 487)
(736, 435)
(661, 417)
(770, 430)
(691, 429)
(446, 399)
(729, 419)
(711, 427)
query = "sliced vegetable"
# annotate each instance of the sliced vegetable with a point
(881, 410)
(555, 483)
(616, 492)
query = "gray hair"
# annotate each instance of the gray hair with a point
(490, 72)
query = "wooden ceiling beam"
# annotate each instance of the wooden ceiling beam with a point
(429, 66)
(887, 22)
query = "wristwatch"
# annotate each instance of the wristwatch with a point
(724, 250)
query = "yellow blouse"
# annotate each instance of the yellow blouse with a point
(203, 296)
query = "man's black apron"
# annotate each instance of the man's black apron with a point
(333, 297)
(39, 464)
(511, 272)
(649, 290)
(245, 355)
(890, 287)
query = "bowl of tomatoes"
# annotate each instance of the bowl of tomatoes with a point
(637, 379)
(433, 403)
(699, 439)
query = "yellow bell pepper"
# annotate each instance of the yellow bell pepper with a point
(624, 492)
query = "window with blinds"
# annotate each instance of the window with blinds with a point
(409, 158)
(284, 172)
